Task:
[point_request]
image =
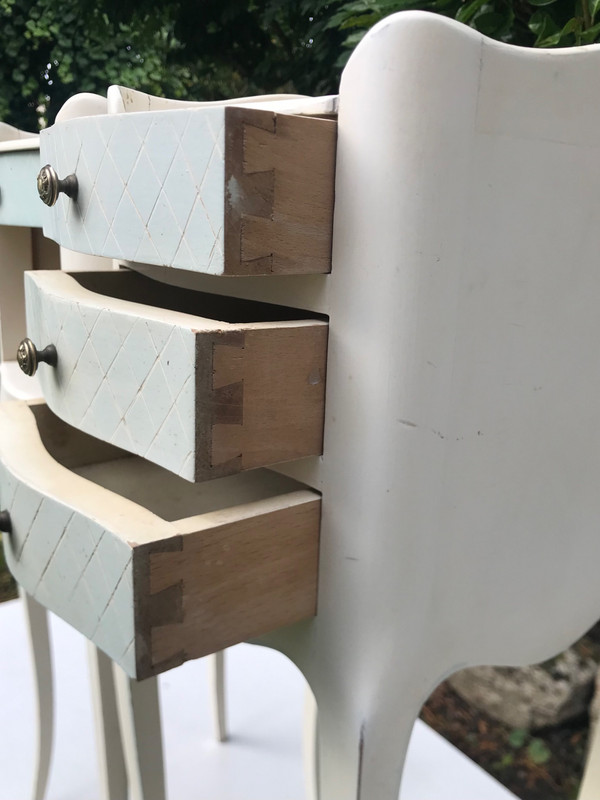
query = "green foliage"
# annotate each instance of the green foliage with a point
(538, 751)
(257, 47)
(539, 23)
(518, 737)
(223, 48)
(51, 51)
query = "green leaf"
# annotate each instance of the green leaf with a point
(594, 6)
(466, 13)
(542, 24)
(549, 41)
(571, 26)
(354, 38)
(538, 751)
(590, 36)
(490, 22)
(542, 2)
(518, 737)
(362, 21)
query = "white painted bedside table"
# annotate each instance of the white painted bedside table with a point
(460, 425)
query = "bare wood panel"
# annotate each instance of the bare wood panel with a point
(260, 397)
(206, 590)
(279, 192)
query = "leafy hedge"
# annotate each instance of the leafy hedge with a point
(226, 48)
(537, 23)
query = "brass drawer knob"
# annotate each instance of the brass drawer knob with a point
(5, 523)
(28, 356)
(49, 185)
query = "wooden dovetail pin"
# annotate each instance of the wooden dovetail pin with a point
(279, 191)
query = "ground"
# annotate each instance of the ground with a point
(546, 765)
(541, 765)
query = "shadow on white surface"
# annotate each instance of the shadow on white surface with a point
(261, 761)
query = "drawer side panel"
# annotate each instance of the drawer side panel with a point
(226, 584)
(260, 397)
(280, 178)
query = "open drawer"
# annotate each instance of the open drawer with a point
(153, 569)
(221, 190)
(201, 384)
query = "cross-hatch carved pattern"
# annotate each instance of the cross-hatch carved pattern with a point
(119, 377)
(72, 565)
(151, 187)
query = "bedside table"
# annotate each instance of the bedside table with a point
(456, 498)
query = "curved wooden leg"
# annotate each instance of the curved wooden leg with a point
(37, 625)
(111, 762)
(139, 718)
(216, 678)
(590, 783)
(310, 753)
(362, 759)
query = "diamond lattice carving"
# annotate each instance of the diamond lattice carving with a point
(71, 565)
(151, 187)
(120, 377)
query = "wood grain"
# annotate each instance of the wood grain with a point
(260, 396)
(252, 571)
(279, 192)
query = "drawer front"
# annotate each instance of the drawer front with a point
(220, 190)
(200, 397)
(19, 204)
(150, 592)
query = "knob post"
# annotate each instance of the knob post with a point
(5, 522)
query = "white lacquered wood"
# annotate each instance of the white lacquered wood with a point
(310, 745)
(121, 99)
(139, 714)
(36, 618)
(72, 261)
(462, 369)
(84, 104)
(460, 468)
(8, 133)
(109, 746)
(590, 782)
(216, 678)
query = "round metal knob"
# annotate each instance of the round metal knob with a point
(28, 356)
(49, 185)
(5, 522)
